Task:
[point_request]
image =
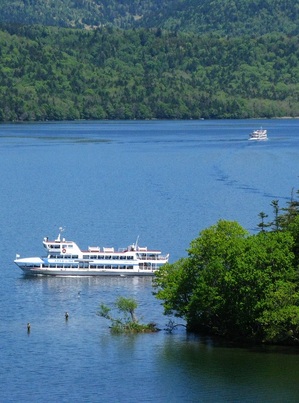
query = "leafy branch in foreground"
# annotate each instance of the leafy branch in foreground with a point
(128, 323)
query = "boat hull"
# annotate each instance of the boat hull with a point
(63, 272)
(258, 139)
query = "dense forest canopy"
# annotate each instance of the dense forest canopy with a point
(163, 59)
(49, 73)
(226, 17)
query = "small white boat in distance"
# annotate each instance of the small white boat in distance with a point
(65, 258)
(260, 134)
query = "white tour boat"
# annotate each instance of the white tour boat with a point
(260, 134)
(65, 258)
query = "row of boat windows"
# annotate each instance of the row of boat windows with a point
(108, 257)
(57, 246)
(82, 266)
(92, 257)
(105, 257)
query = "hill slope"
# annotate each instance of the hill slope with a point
(225, 17)
(57, 74)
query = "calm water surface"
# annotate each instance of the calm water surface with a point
(108, 183)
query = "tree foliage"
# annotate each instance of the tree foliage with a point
(237, 285)
(58, 74)
(128, 322)
(224, 17)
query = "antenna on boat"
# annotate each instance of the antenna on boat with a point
(61, 229)
(136, 244)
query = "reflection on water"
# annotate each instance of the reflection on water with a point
(233, 374)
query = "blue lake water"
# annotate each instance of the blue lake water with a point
(108, 183)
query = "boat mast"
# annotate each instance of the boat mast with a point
(61, 229)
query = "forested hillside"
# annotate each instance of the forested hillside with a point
(226, 17)
(107, 73)
(148, 59)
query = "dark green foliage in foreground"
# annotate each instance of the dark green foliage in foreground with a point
(128, 323)
(236, 285)
(60, 74)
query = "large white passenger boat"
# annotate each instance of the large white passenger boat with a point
(259, 134)
(65, 258)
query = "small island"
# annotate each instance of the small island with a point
(128, 322)
(236, 285)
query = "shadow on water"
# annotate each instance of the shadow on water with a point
(231, 372)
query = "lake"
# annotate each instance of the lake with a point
(107, 184)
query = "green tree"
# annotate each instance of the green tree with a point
(230, 280)
(275, 205)
(262, 225)
(128, 307)
(128, 322)
(280, 316)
